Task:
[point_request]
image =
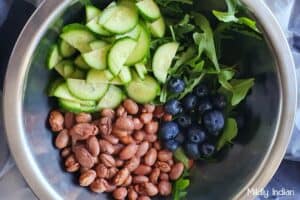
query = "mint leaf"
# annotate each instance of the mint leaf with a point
(205, 40)
(240, 88)
(229, 133)
(180, 156)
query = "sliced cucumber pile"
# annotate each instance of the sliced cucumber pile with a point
(110, 53)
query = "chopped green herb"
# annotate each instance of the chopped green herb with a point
(229, 133)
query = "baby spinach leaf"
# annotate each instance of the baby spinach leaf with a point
(229, 133)
(205, 40)
(180, 186)
(180, 156)
(240, 88)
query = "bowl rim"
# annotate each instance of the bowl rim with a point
(36, 27)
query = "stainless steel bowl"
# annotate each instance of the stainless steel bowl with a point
(249, 164)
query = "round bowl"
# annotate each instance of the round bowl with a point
(250, 164)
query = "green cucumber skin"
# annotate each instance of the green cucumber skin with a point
(112, 99)
(75, 107)
(54, 52)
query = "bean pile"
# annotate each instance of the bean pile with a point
(118, 152)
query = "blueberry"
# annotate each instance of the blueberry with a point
(184, 120)
(190, 102)
(192, 150)
(207, 150)
(196, 134)
(219, 101)
(171, 145)
(180, 138)
(176, 85)
(173, 107)
(201, 90)
(213, 121)
(204, 105)
(168, 130)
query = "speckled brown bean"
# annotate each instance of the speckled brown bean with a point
(66, 152)
(120, 193)
(165, 155)
(83, 156)
(144, 198)
(159, 112)
(164, 177)
(133, 163)
(112, 172)
(163, 166)
(151, 137)
(139, 136)
(107, 112)
(128, 152)
(119, 163)
(150, 189)
(154, 175)
(102, 171)
(106, 147)
(126, 140)
(146, 117)
(107, 160)
(83, 131)
(119, 133)
(93, 146)
(128, 182)
(111, 139)
(118, 148)
(150, 157)
(62, 139)
(121, 112)
(165, 188)
(121, 177)
(83, 118)
(142, 170)
(69, 120)
(167, 117)
(124, 123)
(157, 145)
(99, 185)
(71, 164)
(138, 125)
(176, 171)
(56, 121)
(132, 195)
(131, 107)
(87, 178)
(149, 108)
(151, 127)
(142, 149)
(140, 179)
(105, 126)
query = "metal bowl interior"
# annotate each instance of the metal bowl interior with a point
(240, 168)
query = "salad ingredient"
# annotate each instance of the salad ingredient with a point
(201, 90)
(213, 121)
(111, 99)
(184, 120)
(196, 135)
(168, 131)
(204, 105)
(173, 107)
(176, 85)
(65, 49)
(171, 144)
(219, 101)
(54, 57)
(158, 28)
(190, 102)
(162, 60)
(229, 133)
(207, 149)
(149, 9)
(192, 150)
(97, 58)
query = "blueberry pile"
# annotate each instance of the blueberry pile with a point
(198, 120)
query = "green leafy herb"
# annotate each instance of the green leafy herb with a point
(180, 156)
(230, 15)
(180, 186)
(240, 89)
(191, 84)
(205, 40)
(229, 133)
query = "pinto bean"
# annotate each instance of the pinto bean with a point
(142, 170)
(121, 177)
(124, 123)
(138, 125)
(150, 157)
(133, 163)
(142, 149)
(87, 178)
(56, 121)
(69, 120)
(165, 155)
(120, 193)
(146, 117)
(151, 127)
(140, 179)
(107, 160)
(176, 171)
(71, 164)
(107, 112)
(128, 152)
(62, 139)
(154, 175)
(83, 118)
(100, 185)
(93, 146)
(131, 107)
(83, 131)
(106, 147)
(83, 156)
(165, 188)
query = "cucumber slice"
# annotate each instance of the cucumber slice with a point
(52, 87)
(78, 74)
(97, 28)
(86, 91)
(107, 13)
(162, 60)
(143, 91)
(122, 18)
(78, 36)
(116, 81)
(134, 34)
(119, 53)
(148, 9)
(62, 91)
(97, 58)
(158, 28)
(91, 12)
(99, 76)
(60, 68)
(125, 75)
(76, 107)
(80, 63)
(141, 50)
(65, 49)
(54, 57)
(98, 44)
(69, 69)
(141, 70)
(113, 98)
